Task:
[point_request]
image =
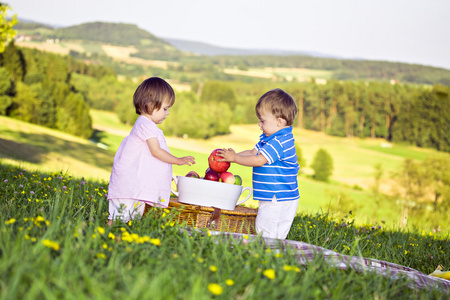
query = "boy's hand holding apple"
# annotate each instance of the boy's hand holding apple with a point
(227, 154)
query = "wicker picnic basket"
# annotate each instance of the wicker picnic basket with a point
(240, 220)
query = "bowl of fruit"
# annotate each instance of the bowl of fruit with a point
(218, 188)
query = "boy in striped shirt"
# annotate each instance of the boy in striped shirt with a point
(274, 162)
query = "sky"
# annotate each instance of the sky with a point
(409, 31)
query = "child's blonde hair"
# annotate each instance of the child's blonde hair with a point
(151, 94)
(280, 104)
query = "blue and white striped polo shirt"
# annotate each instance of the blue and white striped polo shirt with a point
(278, 177)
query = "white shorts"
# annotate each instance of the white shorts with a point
(274, 219)
(125, 209)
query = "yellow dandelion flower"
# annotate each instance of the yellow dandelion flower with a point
(40, 219)
(215, 289)
(144, 239)
(229, 282)
(105, 246)
(269, 273)
(101, 255)
(10, 221)
(406, 252)
(156, 242)
(111, 235)
(101, 230)
(130, 223)
(93, 235)
(278, 255)
(51, 244)
(245, 236)
(47, 223)
(209, 233)
(213, 268)
(288, 268)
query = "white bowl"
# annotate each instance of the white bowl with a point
(209, 193)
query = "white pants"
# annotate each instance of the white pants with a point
(125, 209)
(274, 219)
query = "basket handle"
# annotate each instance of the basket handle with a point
(250, 192)
(176, 183)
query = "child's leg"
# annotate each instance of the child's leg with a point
(267, 219)
(274, 218)
(289, 209)
(125, 209)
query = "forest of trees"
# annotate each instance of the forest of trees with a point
(36, 87)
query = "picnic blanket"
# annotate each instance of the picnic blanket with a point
(305, 253)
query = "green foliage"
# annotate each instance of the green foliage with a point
(300, 159)
(423, 189)
(322, 165)
(7, 31)
(218, 92)
(13, 60)
(47, 96)
(193, 118)
(6, 91)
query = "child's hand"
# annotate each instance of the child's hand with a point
(227, 154)
(187, 160)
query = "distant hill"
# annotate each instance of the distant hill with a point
(112, 33)
(201, 48)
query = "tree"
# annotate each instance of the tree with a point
(218, 92)
(300, 159)
(411, 188)
(6, 91)
(6, 26)
(322, 165)
(438, 175)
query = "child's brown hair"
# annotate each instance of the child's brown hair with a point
(151, 94)
(280, 104)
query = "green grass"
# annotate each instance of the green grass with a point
(54, 245)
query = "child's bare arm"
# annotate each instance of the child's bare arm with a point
(165, 156)
(246, 158)
(248, 152)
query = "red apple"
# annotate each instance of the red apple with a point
(227, 177)
(212, 175)
(192, 174)
(215, 165)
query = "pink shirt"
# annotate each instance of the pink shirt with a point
(136, 173)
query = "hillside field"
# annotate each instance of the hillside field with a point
(34, 147)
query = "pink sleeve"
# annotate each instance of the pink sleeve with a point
(146, 130)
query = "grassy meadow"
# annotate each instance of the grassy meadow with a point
(54, 244)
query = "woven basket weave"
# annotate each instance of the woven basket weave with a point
(240, 220)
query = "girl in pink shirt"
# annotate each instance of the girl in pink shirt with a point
(142, 169)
